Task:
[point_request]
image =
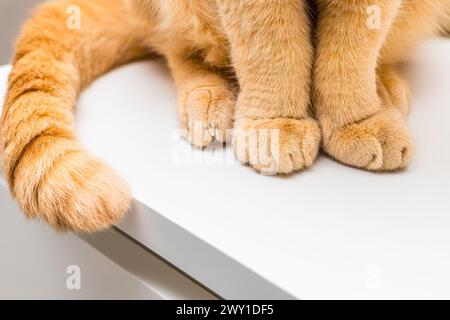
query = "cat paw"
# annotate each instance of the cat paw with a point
(277, 146)
(379, 143)
(74, 192)
(207, 113)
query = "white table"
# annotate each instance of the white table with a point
(330, 232)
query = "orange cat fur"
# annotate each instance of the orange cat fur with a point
(266, 42)
(360, 98)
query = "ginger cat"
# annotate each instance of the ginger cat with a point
(268, 47)
(360, 100)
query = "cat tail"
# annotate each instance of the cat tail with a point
(64, 46)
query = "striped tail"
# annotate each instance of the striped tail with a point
(64, 46)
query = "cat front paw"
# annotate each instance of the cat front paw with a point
(207, 113)
(379, 143)
(277, 146)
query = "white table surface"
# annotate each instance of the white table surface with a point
(330, 232)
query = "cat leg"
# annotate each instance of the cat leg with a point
(394, 90)
(49, 173)
(206, 101)
(358, 130)
(415, 22)
(272, 53)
